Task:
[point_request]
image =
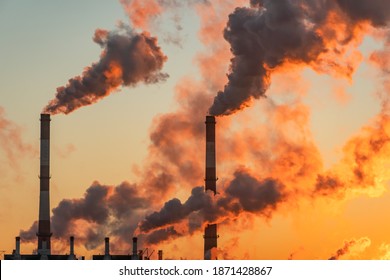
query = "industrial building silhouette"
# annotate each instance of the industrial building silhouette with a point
(44, 230)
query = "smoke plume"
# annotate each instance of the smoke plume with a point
(174, 211)
(363, 165)
(263, 39)
(127, 59)
(244, 194)
(121, 207)
(159, 235)
(352, 247)
(374, 11)
(11, 141)
(271, 34)
(103, 211)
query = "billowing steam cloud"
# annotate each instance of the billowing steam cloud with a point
(263, 38)
(365, 155)
(374, 11)
(360, 169)
(244, 194)
(159, 235)
(104, 210)
(273, 33)
(127, 59)
(174, 211)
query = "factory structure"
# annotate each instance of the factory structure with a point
(136, 254)
(44, 233)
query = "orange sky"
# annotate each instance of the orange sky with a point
(322, 133)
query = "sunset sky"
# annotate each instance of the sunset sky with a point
(320, 139)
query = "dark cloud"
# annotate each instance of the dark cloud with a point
(243, 194)
(29, 235)
(174, 211)
(375, 11)
(127, 59)
(104, 210)
(271, 33)
(92, 208)
(253, 195)
(163, 234)
(262, 39)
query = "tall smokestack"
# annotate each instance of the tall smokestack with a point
(44, 233)
(211, 177)
(160, 255)
(210, 242)
(210, 232)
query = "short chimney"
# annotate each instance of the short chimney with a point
(17, 248)
(135, 250)
(71, 248)
(71, 244)
(107, 248)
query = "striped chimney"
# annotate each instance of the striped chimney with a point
(44, 233)
(210, 232)
(211, 177)
(210, 242)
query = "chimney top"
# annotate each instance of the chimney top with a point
(45, 117)
(210, 119)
